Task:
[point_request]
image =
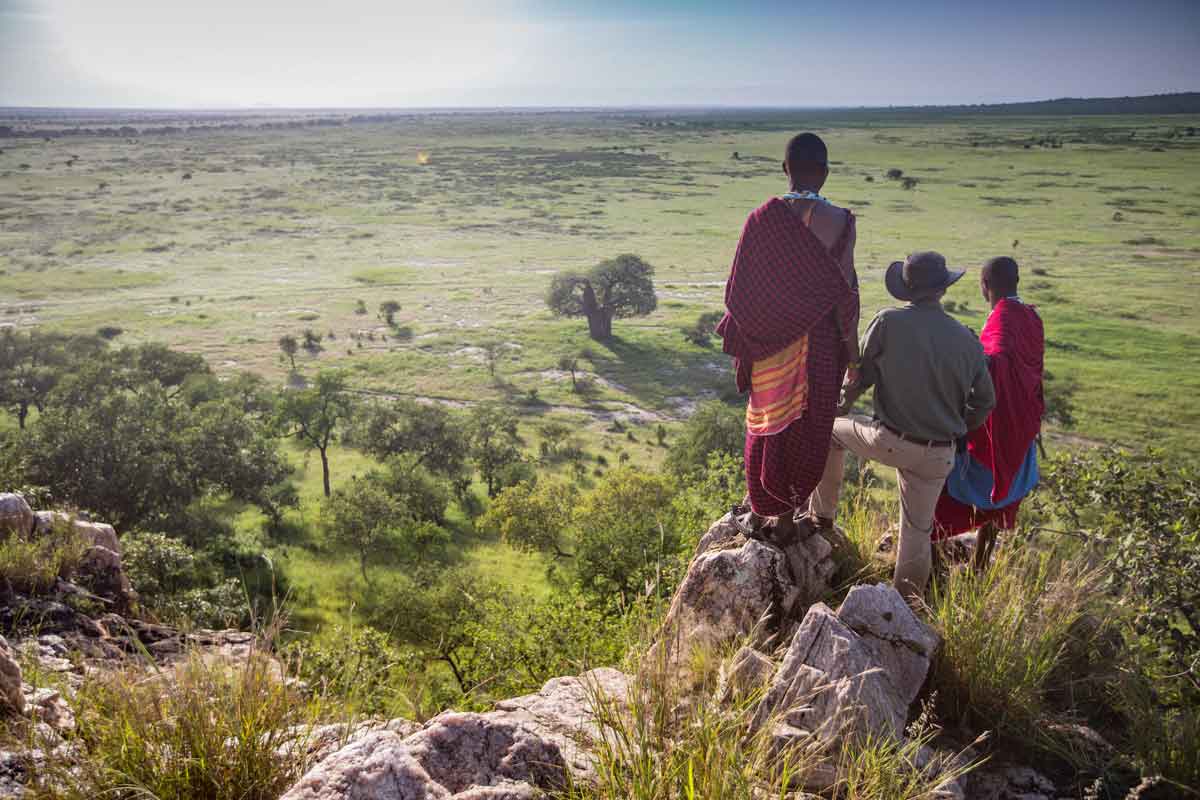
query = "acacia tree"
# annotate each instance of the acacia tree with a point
(570, 364)
(313, 415)
(31, 366)
(288, 346)
(428, 435)
(494, 444)
(617, 288)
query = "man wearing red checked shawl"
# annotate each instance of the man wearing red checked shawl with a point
(791, 325)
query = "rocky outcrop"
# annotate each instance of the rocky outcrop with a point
(853, 673)
(99, 570)
(11, 697)
(527, 746)
(16, 517)
(738, 588)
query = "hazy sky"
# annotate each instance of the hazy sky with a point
(233, 53)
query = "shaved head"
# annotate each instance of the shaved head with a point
(807, 150)
(1001, 275)
(806, 162)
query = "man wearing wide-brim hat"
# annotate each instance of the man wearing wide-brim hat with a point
(931, 386)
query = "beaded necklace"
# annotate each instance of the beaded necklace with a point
(806, 195)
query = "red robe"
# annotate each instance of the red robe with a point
(1014, 341)
(785, 284)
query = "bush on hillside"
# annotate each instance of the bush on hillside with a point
(715, 427)
(624, 537)
(180, 586)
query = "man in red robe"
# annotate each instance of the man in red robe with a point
(998, 466)
(791, 324)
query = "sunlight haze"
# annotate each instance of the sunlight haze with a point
(371, 53)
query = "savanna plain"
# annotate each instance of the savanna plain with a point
(413, 254)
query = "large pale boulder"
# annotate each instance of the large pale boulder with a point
(901, 644)
(850, 674)
(738, 588)
(93, 533)
(15, 515)
(528, 746)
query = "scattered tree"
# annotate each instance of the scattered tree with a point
(624, 538)
(494, 444)
(715, 427)
(570, 364)
(701, 333)
(288, 346)
(314, 414)
(388, 310)
(311, 342)
(619, 287)
(368, 520)
(533, 516)
(425, 435)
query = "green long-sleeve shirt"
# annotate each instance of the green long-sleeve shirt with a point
(929, 372)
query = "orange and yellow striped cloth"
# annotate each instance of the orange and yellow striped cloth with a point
(778, 389)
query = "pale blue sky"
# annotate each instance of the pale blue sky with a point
(376, 53)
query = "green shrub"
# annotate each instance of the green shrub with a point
(180, 586)
(1006, 634)
(33, 564)
(1140, 517)
(209, 731)
(665, 747)
(715, 427)
(359, 667)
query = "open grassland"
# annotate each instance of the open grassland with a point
(276, 231)
(222, 241)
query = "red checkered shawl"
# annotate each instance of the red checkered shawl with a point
(782, 283)
(1014, 341)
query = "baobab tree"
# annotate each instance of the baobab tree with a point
(619, 287)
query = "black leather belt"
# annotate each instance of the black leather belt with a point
(917, 439)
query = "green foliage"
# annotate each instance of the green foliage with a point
(32, 364)
(533, 516)
(438, 616)
(1144, 515)
(624, 536)
(33, 564)
(709, 495)
(715, 427)
(429, 435)
(423, 494)
(1007, 633)
(494, 446)
(664, 745)
(1141, 519)
(520, 643)
(120, 438)
(314, 414)
(703, 330)
(366, 519)
(617, 288)
(180, 586)
(359, 666)
(213, 731)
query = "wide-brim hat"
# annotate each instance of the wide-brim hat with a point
(920, 274)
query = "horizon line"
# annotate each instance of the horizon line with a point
(589, 107)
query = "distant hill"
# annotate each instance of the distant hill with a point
(1180, 103)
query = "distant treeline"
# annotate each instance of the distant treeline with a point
(31, 122)
(1154, 104)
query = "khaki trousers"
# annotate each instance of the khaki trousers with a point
(921, 471)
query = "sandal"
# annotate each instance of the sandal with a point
(749, 524)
